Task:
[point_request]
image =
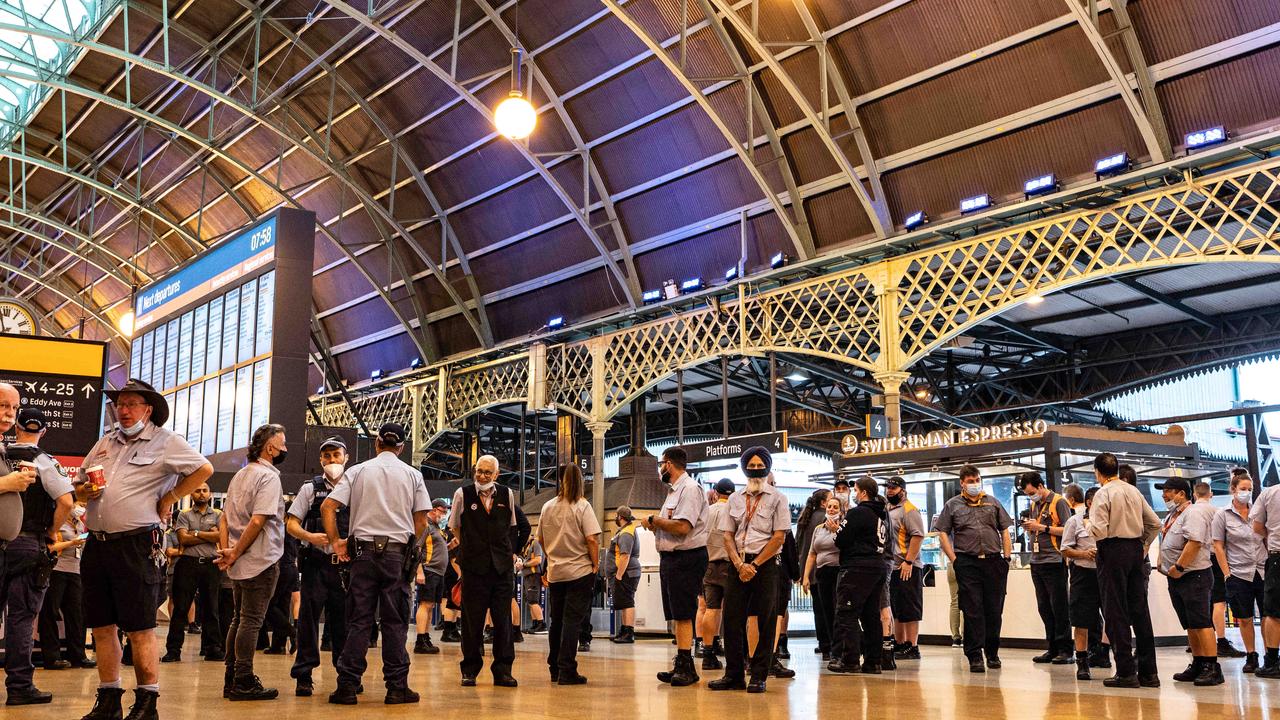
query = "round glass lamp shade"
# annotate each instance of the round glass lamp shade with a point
(515, 117)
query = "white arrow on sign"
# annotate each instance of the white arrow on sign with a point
(88, 391)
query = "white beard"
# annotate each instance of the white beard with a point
(755, 485)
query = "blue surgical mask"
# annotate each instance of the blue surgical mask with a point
(133, 429)
(973, 489)
(1244, 497)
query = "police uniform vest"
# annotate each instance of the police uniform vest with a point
(485, 537)
(37, 506)
(313, 524)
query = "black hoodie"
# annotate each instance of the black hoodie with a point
(864, 534)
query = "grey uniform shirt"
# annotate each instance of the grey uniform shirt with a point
(1120, 511)
(823, 546)
(685, 501)
(1193, 523)
(905, 522)
(715, 538)
(753, 519)
(975, 528)
(255, 490)
(194, 521)
(1075, 536)
(565, 528)
(527, 567)
(382, 494)
(1266, 510)
(69, 559)
(138, 474)
(624, 543)
(1245, 550)
(1044, 545)
(435, 555)
(10, 508)
(301, 505)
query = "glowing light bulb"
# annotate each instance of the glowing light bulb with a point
(1035, 299)
(125, 324)
(515, 117)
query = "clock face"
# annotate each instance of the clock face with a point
(16, 319)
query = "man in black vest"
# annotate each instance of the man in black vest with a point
(483, 520)
(321, 583)
(46, 505)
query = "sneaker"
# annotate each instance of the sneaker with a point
(910, 652)
(1250, 663)
(250, 688)
(957, 642)
(584, 646)
(1227, 650)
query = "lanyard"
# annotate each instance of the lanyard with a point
(746, 521)
(1171, 517)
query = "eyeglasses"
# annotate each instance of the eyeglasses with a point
(483, 472)
(130, 405)
(6, 407)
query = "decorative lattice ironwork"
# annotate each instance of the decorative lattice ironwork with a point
(375, 409)
(1226, 218)
(836, 316)
(569, 377)
(473, 388)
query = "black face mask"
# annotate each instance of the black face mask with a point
(665, 477)
(756, 473)
(279, 459)
(894, 499)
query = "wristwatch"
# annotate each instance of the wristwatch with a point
(1179, 568)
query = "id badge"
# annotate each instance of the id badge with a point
(1035, 546)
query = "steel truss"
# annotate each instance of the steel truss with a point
(882, 317)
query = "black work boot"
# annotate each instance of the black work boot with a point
(783, 651)
(1210, 673)
(344, 695)
(711, 662)
(144, 705)
(250, 688)
(778, 670)
(1082, 665)
(107, 705)
(1191, 672)
(684, 673)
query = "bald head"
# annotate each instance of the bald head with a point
(9, 401)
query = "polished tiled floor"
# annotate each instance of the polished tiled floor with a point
(622, 686)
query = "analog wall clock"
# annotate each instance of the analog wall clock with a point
(17, 317)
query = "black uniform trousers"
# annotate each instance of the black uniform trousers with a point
(1122, 581)
(192, 576)
(1050, 582)
(744, 602)
(857, 614)
(279, 612)
(982, 583)
(377, 584)
(568, 607)
(491, 592)
(824, 604)
(23, 595)
(63, 598)
(322, 592)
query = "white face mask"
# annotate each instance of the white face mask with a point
(1244, 497)
(77, 511)
(843, 497)
(333, 471)
(133, 429)
(486, 487)
(973, 489)
(833, 517)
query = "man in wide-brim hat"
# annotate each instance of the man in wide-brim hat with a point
(147, 469)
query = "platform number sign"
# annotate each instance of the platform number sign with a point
(877, 427)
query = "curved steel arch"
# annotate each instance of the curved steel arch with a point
(427, 63)
(788, 223)
(216, 95)
(53, 288)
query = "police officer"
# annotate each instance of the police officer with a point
(147, 469)
(906, 570)
(322, 590)
(46, 505)
(389, 505)
(861, 539)
(1123, 524)
(482, 516)
(1043, 528)
(430, 590)
(1185, 548)
(755, 524)
(680, 533)
(716, 577)
(973, 530)
(194, 572)
(1266, 522)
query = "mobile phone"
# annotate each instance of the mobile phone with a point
(83, 536)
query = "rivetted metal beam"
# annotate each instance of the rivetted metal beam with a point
(580, 214)
(1155, 138)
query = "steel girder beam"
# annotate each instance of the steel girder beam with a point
(580, 214)
(755, 92)
(789, 224)
(1142, 289)
(877, 216)
(216, 96)
(591, 172)
(870, 386)
(1145, 111)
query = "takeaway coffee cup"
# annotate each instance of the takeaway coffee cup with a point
(95, 476)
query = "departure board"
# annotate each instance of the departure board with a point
(221, 340)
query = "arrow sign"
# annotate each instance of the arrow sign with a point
(87, 390)
(731, 448)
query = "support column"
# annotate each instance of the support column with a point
(470, 445)
(891, 382)
(566, 442)
(598, 430)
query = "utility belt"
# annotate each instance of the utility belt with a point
(199, 560)
(111, 537)
(379, 546)
(39, 562)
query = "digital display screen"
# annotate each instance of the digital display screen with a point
(266, 304)
(184, 349)
(209, 432)
(214, 353)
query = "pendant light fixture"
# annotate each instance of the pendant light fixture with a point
(515, 117)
